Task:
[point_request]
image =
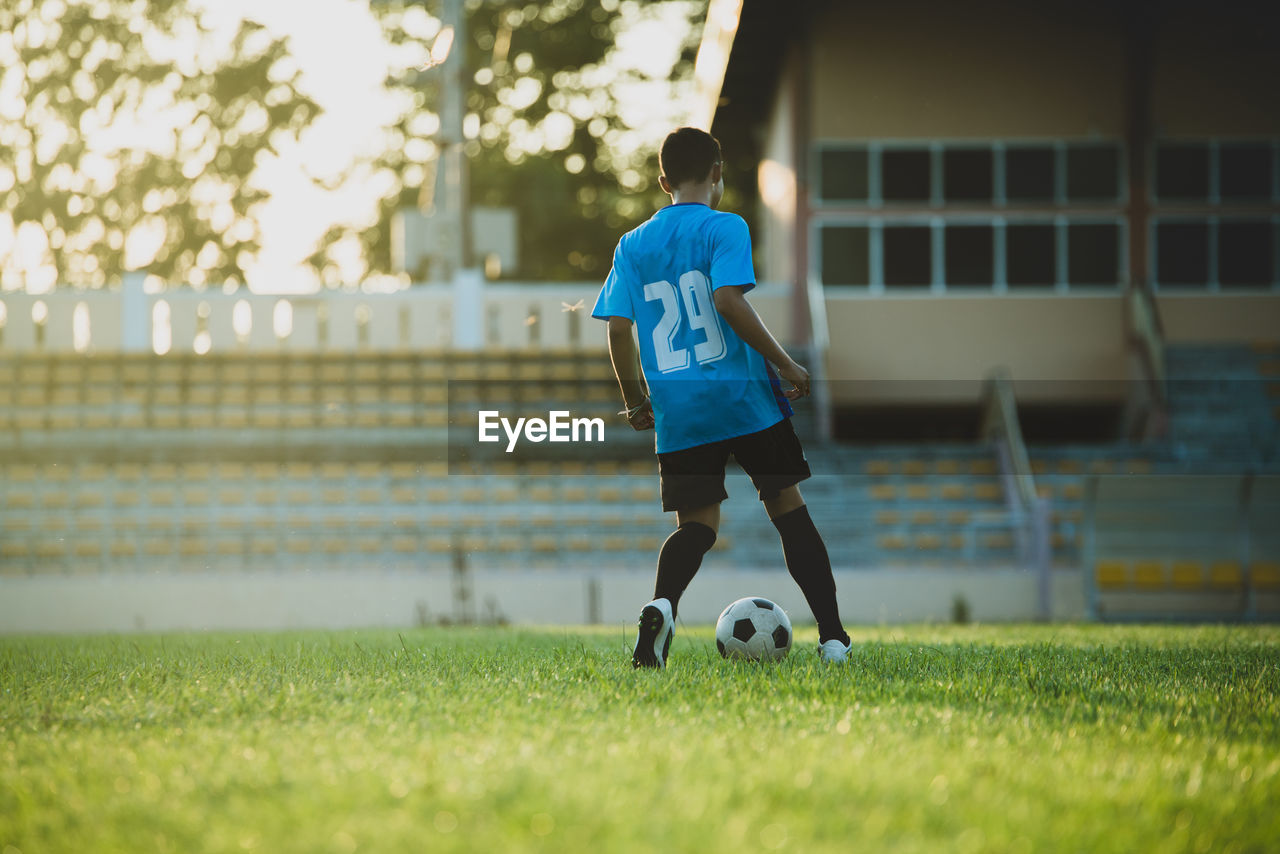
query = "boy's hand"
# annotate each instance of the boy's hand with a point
(795, 374)
(642, 418)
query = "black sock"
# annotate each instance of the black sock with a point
(679, 560)
(809, 565)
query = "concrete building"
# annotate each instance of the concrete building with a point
(947, 188)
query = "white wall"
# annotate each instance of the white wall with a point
(986, 69)
(331, 600)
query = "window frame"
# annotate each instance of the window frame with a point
(876, 223)
(998, 149)
(1214, 198)
(1212, 219)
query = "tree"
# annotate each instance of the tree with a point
(85, 176)
(546, 132)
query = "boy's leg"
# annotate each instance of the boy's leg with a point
(775, 461)
(678, 562)
(692, 483)
(807, 560)
(682, 553)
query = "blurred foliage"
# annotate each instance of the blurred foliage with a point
(545, 130)
(85, 83)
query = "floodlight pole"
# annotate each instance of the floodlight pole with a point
(452, 190)
(452, 177)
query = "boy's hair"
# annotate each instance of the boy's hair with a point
(687, 155)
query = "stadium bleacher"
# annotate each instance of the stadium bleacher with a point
(1184, 547)
(283, 461)
(236, 462)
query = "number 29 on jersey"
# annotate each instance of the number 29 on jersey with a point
(693, 307)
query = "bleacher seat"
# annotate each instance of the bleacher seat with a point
(988, 491)
(883, 492)
(644, 492)
(914, 468)
(928, 542)
(997, 540)
(18, 500)
(1265, 576)
(1149, 574)
(1072, 492)
(948, 467)
(1186, 575)
(1111, 574)
(1226, 575)
(891, 542)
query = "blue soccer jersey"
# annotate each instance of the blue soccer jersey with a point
(706, 383)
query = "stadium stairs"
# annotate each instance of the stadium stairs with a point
(1224, 406)
(1202, 539)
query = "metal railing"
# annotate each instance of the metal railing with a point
(515, 316)
(1000, 426)
(1148, 411)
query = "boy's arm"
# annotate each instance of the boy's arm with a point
(742, 318)
(626, 367)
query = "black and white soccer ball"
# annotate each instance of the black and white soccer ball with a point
(753, 628)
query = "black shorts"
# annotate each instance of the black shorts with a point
(694, 477)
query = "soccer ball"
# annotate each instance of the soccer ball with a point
(753, 628)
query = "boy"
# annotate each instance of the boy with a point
(680, 277)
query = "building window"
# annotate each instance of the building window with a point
(1220, 239)
(844, 175)
(1004, 215)
(1182, 172)
(1182, 253)
(970, 255)
(1245, 172)
(1030, 255)
(908, 255)
(980, 174)
(1226, 253)
(1246, 253)
(845, 255)
(1093, 254)
(1054, 218)
(1093, 173)
(1028, 174)
(995, 254)
(966, 175)
(905, 175)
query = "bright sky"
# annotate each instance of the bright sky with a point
(339, 49)
(343, 61)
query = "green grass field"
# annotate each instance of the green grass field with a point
(1019, 738)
